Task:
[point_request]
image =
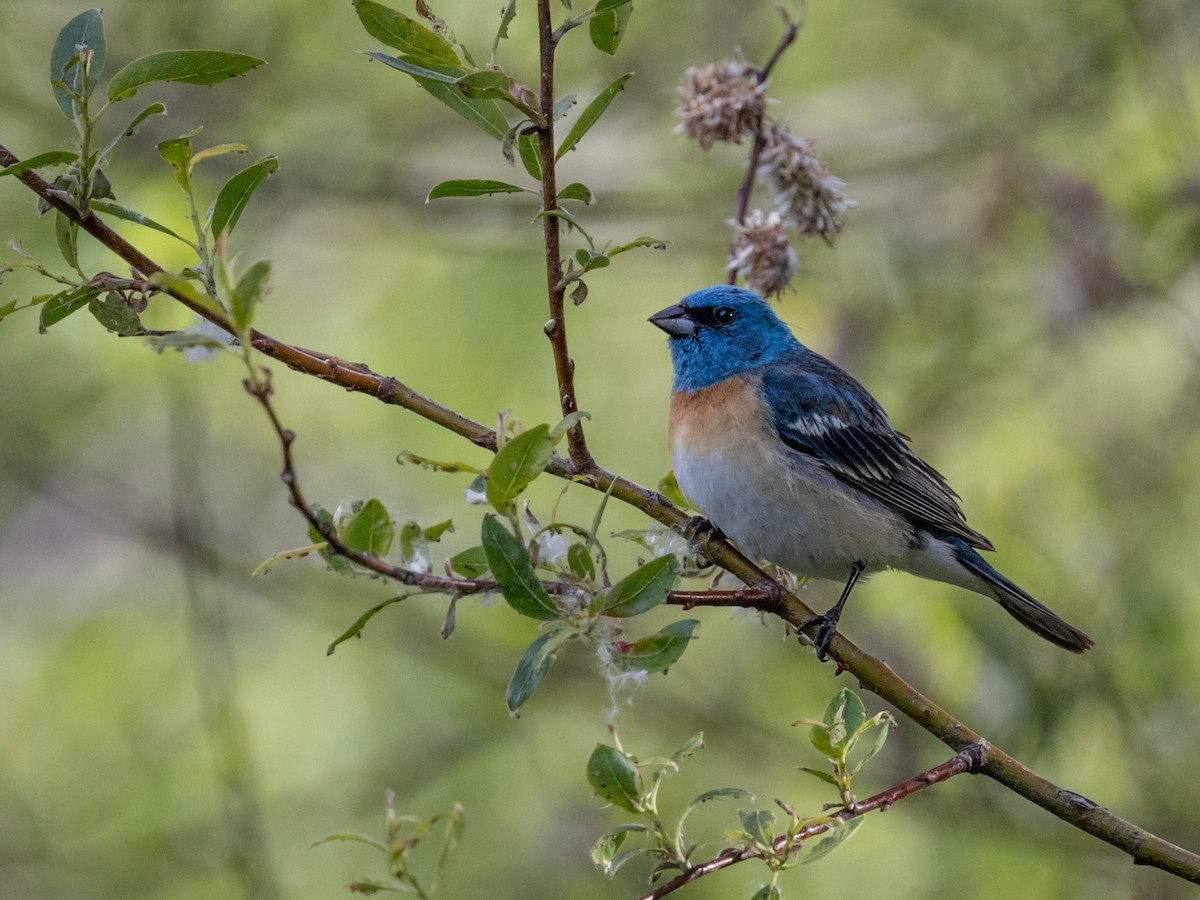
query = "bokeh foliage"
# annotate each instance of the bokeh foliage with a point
(1019, 287)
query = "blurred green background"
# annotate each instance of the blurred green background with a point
(1020, 288)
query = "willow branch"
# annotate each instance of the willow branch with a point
(872, 674)
(556, 327)
(966, 760)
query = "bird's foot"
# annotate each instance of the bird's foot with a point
(699, 532)
(826, 625)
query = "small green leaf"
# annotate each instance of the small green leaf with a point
(820, 738)
(693, 746)
(406, 456)
(470, 563)
(247, 294)
(404, 34)
(605, 852)
(591, 113)
(370, 530)
(722, 794)
(510, 565)
(187, 66)
(561, 105)
(609, 24)
(64, 303)
(506, 16)
(354, 838)
(484, 114)
(517, 464)
(177, 153)
(579, 561)
(845, 710)
(114, 314)
(576, 191)
(817, 773)
(185, 287)
(669, 488)
(434, 533)
(416, 71)
(640, 590)
(154, 109)
(767, 892)
(129, 215)
(532, 668)
(472, 187)
(614, 777)
(355, 630)
(653, 243)
(86, 29)
(232, 199)
(41, 161)
(823, 844)
(659, 651)
(880, 739)
(759, 824)
(568, 422)
(215, 150)
(66, 234)
(531, 158)
(485, 85)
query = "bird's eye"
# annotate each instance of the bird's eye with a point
(723, 315)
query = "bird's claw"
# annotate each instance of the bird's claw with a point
(826, 629)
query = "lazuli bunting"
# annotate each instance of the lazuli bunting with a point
(794, 461)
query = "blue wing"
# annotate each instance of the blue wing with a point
(822, 412)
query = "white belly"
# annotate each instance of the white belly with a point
(793, 513)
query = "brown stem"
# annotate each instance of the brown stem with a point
(872, 674)
(967, 760)
(556, 327)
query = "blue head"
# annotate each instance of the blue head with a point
(721, 331)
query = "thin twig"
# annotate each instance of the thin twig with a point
(872, 674)
(556, 327)
(968, 759)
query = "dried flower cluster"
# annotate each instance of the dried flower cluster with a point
(804, 192)
(761, 254)
(720, 101)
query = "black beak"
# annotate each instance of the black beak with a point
(675, 321)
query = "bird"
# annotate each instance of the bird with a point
(787, 455)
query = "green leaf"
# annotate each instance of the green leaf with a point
(561, 105)
(517, 464)
(614, 777)
(580, 562)
(659, 651)
(824, 776)
(215, 150)
(510, 565)
(177, 153)
(64, 303)
(232, 199)
(86, 29)
(354, 838)
(406, 456)
(154, 109)
(404, 34)
(609, 24)
(434, 533)
(822, 845)
(759, 824)
(247, 294)
(767, 892)
(640, 590)
(721, 794)
(669, 488)
(470, 563)
(655, 243)
(531, 158)
(880, 739)
(66, 234)
(114, 314)
(421, 73)
(567, 423)
(591, 113)
(360, 623)
(41, 161)
(820, 738)
(187, 66)
(472, 187)
(576, 191)
(693, 746)
(532, 668)
(485, 85)
(129, 215)
(846, 710)
(605, 855)
(185, 287)
(370, 530)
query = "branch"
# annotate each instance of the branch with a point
(744, 192)
(556, 327)
(872, 674)
(967, 760)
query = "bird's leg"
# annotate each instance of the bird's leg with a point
(828, 622)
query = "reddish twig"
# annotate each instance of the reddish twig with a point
(556, 327)
(969, 759)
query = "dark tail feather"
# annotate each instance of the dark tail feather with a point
(1021, 606)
